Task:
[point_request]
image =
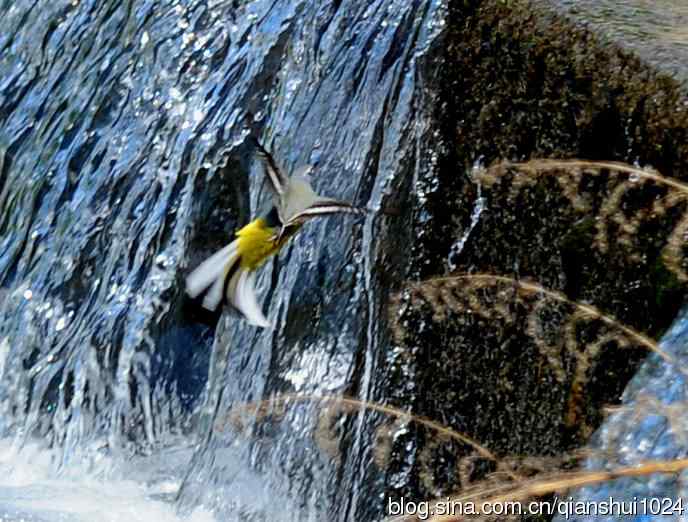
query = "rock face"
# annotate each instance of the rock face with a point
(523, 371)
(655, 31)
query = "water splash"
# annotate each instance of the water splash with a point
(457, 247)
(30, 491)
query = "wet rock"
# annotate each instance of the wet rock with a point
(522, 371)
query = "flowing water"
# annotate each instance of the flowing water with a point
(123, 161)
(654, 29)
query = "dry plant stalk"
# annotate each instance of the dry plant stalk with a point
(266, 407)
(569, 176)
(467, 293)
(434, 292)
(559, 483)
(673, 413)
(632, 197)
(507, 470)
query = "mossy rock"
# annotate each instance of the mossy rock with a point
(519, 82)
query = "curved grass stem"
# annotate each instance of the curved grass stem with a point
(548, 164)
(349, 403)
(560, 483)
(590, 310)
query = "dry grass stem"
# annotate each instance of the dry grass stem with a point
(265, 407)
(570, 173)
(543, 165)
(433, 290)
(560, 483)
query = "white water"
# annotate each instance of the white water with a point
(103, 490)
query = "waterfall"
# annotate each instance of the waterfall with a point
(124, 161)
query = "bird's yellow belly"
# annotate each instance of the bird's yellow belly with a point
(257, 243)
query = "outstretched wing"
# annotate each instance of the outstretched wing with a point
(278, 181)
(325, 207)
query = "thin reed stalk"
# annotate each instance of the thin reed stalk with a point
(560, 483)
(589, 310)
(264, 406)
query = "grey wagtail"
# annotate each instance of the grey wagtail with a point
(229, 274)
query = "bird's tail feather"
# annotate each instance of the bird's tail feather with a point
(222, 274)
(241, 293)
(210, 270)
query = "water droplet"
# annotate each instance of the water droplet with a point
(145, 38)
(292, 85)
(188, 38)
(105, 64)
(60, 324)
(28, 295)
(179, 109)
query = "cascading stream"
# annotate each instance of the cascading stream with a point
(124, 161)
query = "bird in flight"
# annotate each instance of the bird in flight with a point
(229, 275)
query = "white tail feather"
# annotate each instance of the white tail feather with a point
(213, 268)
(241, 293)
(214, 296)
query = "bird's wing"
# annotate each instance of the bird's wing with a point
(211, 270)
(278, 181)
(325, 207)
